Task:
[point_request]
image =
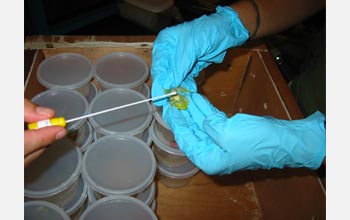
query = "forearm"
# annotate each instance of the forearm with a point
(275, 15)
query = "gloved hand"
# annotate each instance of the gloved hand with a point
(221, 145)
(182, 51)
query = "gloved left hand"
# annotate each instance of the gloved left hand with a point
(221, 145)
(182, 51)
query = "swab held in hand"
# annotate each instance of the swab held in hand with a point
(61, 121)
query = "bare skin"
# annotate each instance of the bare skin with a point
(35, 141)
(276, 15)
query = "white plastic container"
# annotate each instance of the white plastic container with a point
(118, 165)
(66, 71)
(118, 207)
(133, 120)
(154, 205)
(146, 91)
(147, 196)
(54, 176)
(66, 103)
(79, 201)
(93, 91)
(175, 177)
(42, 210)
(145, 137)
(164, 147)
(121, 70)
(85, 136)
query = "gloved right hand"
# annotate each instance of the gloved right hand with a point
(182, 51)
(221, 145)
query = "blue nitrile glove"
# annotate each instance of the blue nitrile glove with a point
(185, 49)
(221, 145)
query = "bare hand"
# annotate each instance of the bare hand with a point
(35, 141)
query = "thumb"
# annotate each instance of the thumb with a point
(215, 126)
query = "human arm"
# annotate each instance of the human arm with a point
(221, 145)
(180, 52)
(35, 141)
(275, 15)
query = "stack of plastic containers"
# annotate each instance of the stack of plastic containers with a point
(105, 158)
(174, 168)
(122, 70)
(120, 165)
(68, 104)
(68, 71)
(42, 210)
(133, 120)
(55, 177)
(118, 207)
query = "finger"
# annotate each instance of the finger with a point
(190, 84)
(33, 113)
(200, 108)
(32, 156)
(195, 143)
(36, 139)
(199, 66)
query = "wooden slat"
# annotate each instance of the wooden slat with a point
(52, 41)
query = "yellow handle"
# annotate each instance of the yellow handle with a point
(60, 121)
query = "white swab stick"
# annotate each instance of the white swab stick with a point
(123, 106)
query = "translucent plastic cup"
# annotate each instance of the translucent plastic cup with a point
(66, 71)
(147, 196)
(35, 210)
(66, 103)
(158, 115)
(166, 153)
(54, 176)
(145, 137)
(154, 204)
(93, 91)
(118, 207)
(175, 177)
(165, 134)
(85, 136)
(133, 120)
(121, 70)
(146, 91)
(79, 201)
(118, 165)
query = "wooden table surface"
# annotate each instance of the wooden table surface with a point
(247, 81)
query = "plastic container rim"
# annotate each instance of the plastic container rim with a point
(118, 198)
(77, 85)
(74, 125)
(50, 205)
(151, 195)
(134, 131)
(158, 117)
(80, 201)
(110, 85)
(161, 145)
(184, 175)
(89, 138)
(129, 191)
(61, 187)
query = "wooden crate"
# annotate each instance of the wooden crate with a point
(247, 81)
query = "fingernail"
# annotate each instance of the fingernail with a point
(44, 111)
(60, 135)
